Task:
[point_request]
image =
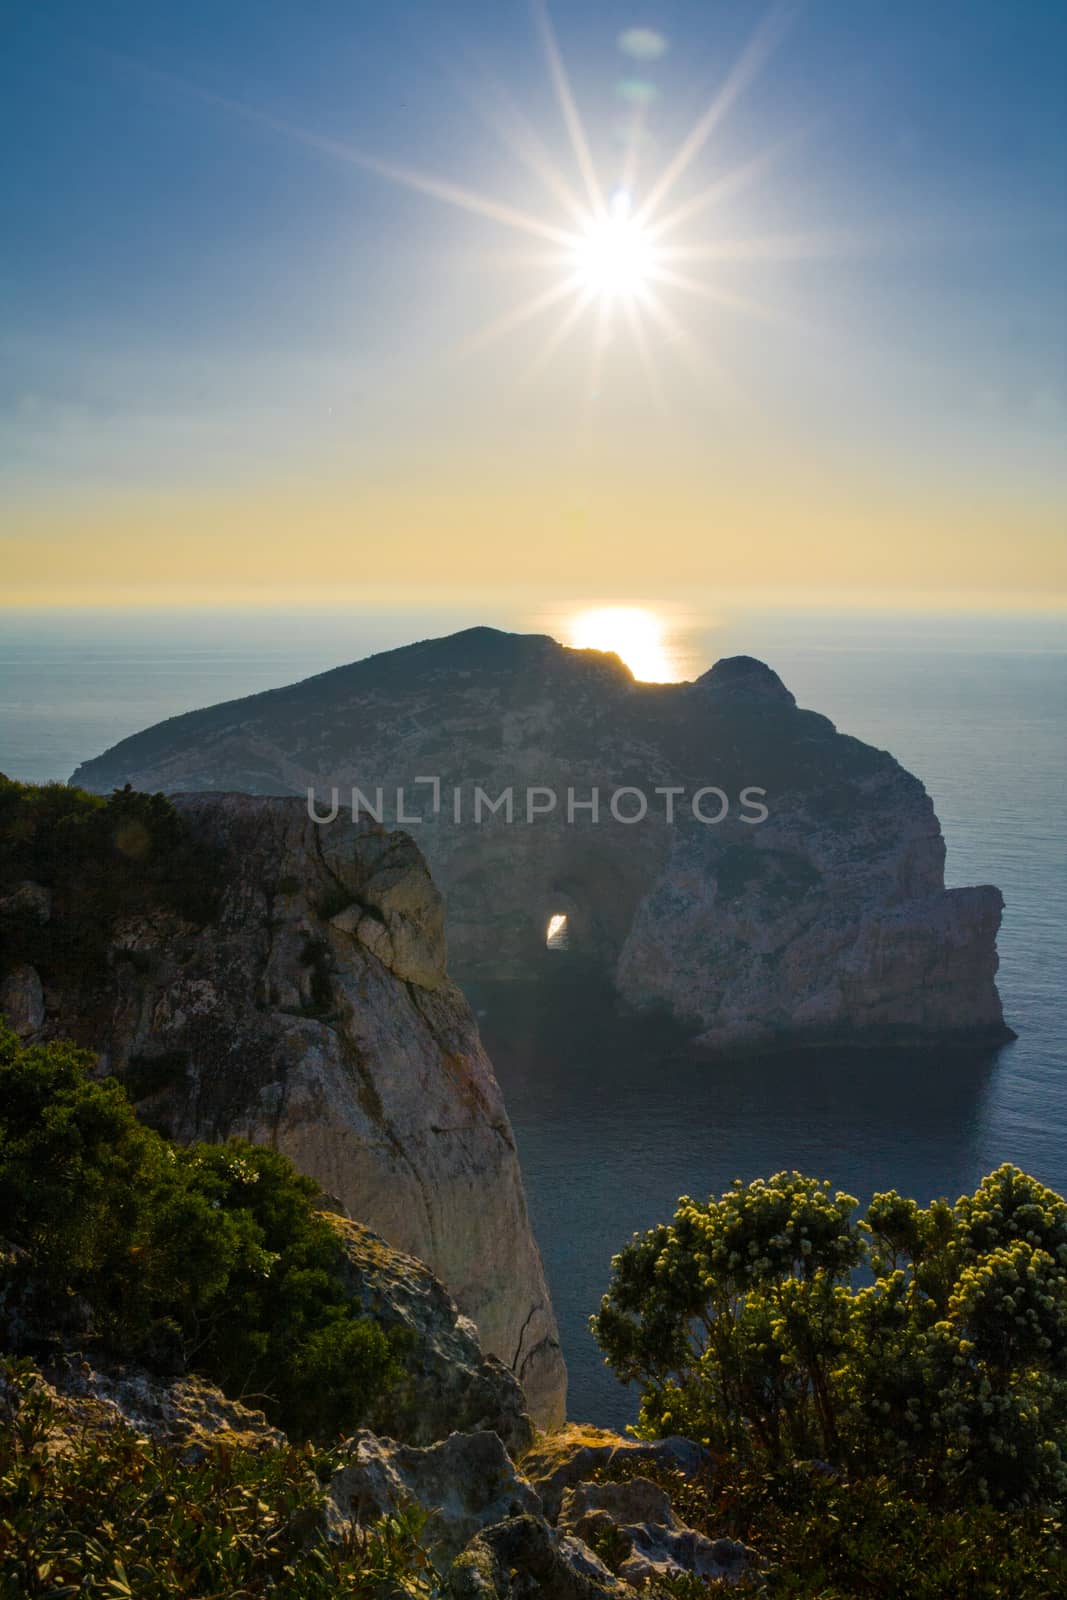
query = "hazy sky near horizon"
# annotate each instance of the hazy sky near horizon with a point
(241, 362)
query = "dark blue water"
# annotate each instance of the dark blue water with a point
(611, 1128)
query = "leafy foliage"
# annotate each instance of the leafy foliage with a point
(102, 861)
(948, 1374)
(112, 1514)
(210, 1258)
(823, 1535)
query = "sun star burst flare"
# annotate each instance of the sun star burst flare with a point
(613, 251)
(616, 255)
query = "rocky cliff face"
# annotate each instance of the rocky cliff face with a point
(827, 920)
(313, 1013)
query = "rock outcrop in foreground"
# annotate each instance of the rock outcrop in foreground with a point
(493, 1526)
(448, 1385)
(501, 1513)
(313, 1013)
(827, 921)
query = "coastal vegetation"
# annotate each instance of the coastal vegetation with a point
(884, 1397)
(818, 1535)
(73, 864)
(114, 1515)
(212, 1259)
(881, 1398)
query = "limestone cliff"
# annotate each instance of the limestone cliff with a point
(829, 920)
(313, 1012)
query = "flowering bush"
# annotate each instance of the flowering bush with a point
(741, 1322)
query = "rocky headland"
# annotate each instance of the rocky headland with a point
(826, 921)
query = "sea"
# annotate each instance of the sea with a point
(613, 1126)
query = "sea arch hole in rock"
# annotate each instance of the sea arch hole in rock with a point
(563, 925)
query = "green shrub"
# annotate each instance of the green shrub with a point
(209, 1257)
(820, 1535)
(741, 1323)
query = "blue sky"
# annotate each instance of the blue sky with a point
(197, 293)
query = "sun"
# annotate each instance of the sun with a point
(633, 633)
(616, 255)
(623, 252)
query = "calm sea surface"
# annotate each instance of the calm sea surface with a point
(610, 1130)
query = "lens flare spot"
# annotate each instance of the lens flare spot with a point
(637, 91)
(642, 44)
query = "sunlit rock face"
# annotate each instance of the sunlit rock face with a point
(827, 920)
(313, 1013)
